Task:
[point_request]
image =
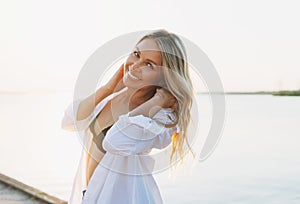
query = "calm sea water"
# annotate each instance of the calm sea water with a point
(256, 161)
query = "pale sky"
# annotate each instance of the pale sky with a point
(254, 45)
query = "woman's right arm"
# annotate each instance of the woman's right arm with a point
(84, 108)
(78, 113)
(115, 84)
(87, 105)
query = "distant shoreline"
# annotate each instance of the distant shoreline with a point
(274, 93)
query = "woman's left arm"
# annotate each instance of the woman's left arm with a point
(161, 99)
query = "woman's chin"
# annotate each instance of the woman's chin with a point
(130, 84)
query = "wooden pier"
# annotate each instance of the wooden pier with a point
(15, 192)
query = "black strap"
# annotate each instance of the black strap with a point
(83, 192)
(97, 139)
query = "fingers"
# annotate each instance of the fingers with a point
(168, 99)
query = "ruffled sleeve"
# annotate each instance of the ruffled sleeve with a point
(131, 138)
(141, 133)
(140, 127)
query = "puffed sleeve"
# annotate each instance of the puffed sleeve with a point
(131, 138)
(142, 133)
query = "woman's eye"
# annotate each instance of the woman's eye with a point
(150, 65)
(136, 53)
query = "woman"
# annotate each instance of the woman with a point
(152, 86)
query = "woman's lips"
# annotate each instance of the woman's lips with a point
(132, 76)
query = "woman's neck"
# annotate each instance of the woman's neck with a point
(135, 97)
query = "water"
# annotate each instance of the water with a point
(256, 161)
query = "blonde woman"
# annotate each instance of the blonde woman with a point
(145, 105)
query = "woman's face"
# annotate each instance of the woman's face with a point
(143, 66)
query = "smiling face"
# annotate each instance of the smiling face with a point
(143, 66)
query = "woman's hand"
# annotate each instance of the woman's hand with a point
(115, 84)
(161, 99)
(165, 98)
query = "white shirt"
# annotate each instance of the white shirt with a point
(126, 169)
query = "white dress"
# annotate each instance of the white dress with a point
(124, 174)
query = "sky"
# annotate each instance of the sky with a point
(254, 45)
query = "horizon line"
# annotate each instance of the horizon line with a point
(197, 92)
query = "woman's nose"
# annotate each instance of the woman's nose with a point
(134, 66)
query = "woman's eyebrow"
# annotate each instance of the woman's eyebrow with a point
(138, 50)
(152, 61)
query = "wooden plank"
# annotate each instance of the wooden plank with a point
(16, 192)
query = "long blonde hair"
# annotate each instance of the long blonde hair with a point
(178, 82)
